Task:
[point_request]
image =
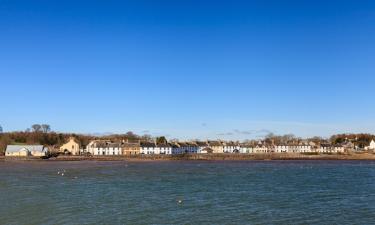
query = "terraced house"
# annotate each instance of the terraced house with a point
(164, 149)
(231, 147)
(131, 148)
(149, 148)
(103, 147)
(188, 147)
(203, 147)
(216, 146)
(99, 147)
(327, 148)
(293, 148)
(247, 149)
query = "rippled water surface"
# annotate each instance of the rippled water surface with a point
(275, 192)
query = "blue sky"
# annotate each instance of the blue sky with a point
(188, 69)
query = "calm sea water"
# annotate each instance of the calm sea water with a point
(275, 192)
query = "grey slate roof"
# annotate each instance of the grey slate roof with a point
(174, 145)
(31, 148)
(148, 145)
(247, 146)
(163, 145)
(131, 145)
(201, 144)
(215, 143)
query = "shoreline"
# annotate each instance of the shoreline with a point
(203, 157)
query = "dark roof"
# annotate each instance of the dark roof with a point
(174, 145)
(231, 143)
(247, 146)
(130, 145)
(325, 145)
(108, 145)
(148, 145)
(215, 143)
(163, 146)
(192, 144)
(201, 143)
(183, 144)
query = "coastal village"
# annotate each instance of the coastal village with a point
(40, 141)
(101, 147)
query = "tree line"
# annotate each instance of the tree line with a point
(360, 140)
(43, 135)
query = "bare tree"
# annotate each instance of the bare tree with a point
(1, 129)
(147, 138)
(36, 127)
(4, 141)
(46, 128)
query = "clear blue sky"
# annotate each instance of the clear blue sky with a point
(189, 69)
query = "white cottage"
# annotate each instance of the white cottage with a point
(305, 148)
(326, 148)
(231, 147)
(338, 149)
(148, 148)
(99, 147)
(203, 147)
(372, 146)
(293, 148)
(164, 149)
(247, 149)
(261, 149)
(281, 148)
(26, 150)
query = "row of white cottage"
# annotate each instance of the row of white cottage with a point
(109, 148)
(100, 147)
(173, 149)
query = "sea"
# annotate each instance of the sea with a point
(187, 192)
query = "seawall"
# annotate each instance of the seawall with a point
(204, 157)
